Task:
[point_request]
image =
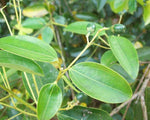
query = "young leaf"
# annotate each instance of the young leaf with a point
(83, 113)
(108, 58)
(81, 27)
(28, 47)
(34, 23)
(126, 54)
(100, 82)
(47, 35)
(19, 63)
(50, 99)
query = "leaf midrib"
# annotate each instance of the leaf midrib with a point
(98, 81)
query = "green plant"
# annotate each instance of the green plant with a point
(43, 66)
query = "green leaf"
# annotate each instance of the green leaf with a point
(35, 10)
(122, 72)
(28, 47)
(86, 16)
(19, 63)
(50, 75)
(81, 27)
(60, 19)
(34, 23)
(144, 53)
(100, 82)
(50, 99)
(132, 6)
(118, 5)
(146, 14)
(129, 114)
(100, 4)
(126, 54)
(47, 35)
(83, 113)
(108, 58)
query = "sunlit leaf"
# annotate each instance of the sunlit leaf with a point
(19, 63)
(28, 47)
(81, 27)
(100, 82)
(50, 99)
(35, 10)
(126, 54)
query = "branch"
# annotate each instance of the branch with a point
(135, 95)
(144, 108)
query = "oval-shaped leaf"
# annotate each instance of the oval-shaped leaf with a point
(35, 10)
(83, 113)
(108, 58)
(126, 54)
(81, 27)
(47, 35)
(19, 63)
(28, 47)
(50, 99)
(34, 23)
(100, 82)
(50, 75)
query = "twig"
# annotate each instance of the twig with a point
(62, 57)
(145, 62)
(144, 109)
(19, 99)
(135, 95)
(137, 88)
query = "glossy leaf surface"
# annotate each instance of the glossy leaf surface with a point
(50, 99)
(100, 82)
(28, 47)
(19, 63)
(83, 113)
(126, 54)
(81, 27)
